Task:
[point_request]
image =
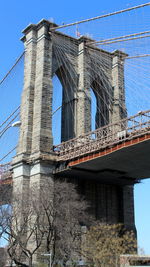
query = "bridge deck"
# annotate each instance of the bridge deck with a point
(115, 153)
(126, 161)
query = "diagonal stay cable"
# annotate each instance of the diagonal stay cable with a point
(9, 124)
(6, 75)
(10, 116)
(8, 153)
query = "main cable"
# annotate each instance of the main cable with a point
(100, 17)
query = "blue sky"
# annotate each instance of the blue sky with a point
(15, 16)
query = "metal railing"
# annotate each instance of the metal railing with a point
(103, 137)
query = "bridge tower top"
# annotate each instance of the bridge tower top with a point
(80, 67)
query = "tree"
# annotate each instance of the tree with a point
(19, 231)
(2, 257)
(70, 215)
(5, 198)
(49, 222)
(105, 243)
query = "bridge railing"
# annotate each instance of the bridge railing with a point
(105, 136)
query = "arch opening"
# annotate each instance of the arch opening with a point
(64, 69)
(100, 104)
(93, 109)
(63, 107)
(56, 110)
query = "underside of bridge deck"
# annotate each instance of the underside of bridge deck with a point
(125, 163)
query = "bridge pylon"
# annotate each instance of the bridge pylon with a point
(81, 66)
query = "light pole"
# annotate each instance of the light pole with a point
(50, 258)
(15, 124)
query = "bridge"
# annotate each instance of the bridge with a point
(104, 163)
(118, 150)
(105, 152)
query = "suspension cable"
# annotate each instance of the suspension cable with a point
(118, 38)
(8, 153)
(8, 125)
(125, 40)
(100, 17)
(10, 116)
(6, 75)
(138, 56)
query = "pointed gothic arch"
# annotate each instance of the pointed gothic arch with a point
(103, 92)
(67, 76)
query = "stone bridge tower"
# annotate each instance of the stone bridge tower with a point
(79, 65)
